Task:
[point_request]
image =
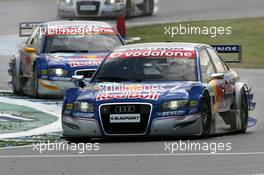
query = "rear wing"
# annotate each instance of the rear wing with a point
(26, 28)
(229, 53)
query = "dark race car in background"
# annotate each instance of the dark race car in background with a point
(55, 51)
(104, 8)
(158, 89)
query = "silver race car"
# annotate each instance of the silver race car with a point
(104, 8)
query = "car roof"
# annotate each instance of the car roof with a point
(161, 45)
(77, 23)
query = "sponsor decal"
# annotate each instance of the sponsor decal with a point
(44, 72)
(66, 112)
(215, 88)
(60, 78)
(86, 63)
(48, 86)
(227, 48)
(124, 118)
(69, 106)
(193, 103)
(145, 96)
(50, 31)
(83, 115)
(155, 53)
(171, 113)
(125, 109)
(192, 111)
(135, 88)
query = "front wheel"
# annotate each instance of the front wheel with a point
(240, 120)
(244, 112)
(128, 9)
(16, 85)
(206, 115)
(149, 7)
(34, 85)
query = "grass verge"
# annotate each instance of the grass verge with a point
(247, 32)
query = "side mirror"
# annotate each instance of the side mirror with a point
(132, 40)
(217, 76)
(77, 77)
(79, 80)
(29, 49)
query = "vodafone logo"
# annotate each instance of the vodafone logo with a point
(155, 53)
(116, 54)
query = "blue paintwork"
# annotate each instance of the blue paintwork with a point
(62, 60)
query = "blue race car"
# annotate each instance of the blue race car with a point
(158, 89)
(55, 51)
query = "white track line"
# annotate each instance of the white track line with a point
(135, 155)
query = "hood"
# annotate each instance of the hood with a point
(75, 60)
(113, 92)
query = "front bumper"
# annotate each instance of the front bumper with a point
(102, 10)
(189, 125)
(51, 88)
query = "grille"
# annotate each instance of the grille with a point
(125, 127)
(85, 73)
(88, 11)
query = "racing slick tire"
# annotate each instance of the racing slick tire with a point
(128, 9)
(243, 114)
(16, 84)
(34, 83)
(149, 7)
(206, 115)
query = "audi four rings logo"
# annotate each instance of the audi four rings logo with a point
(123, 109)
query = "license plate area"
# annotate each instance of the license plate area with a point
(87, 7)
(124, 118)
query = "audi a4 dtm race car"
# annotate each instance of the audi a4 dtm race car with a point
(55, 51)
(158, 89)
(104, 8)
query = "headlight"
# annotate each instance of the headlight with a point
(58, 72)
(66, 1)
(112, 1)
(173, 105)
(83, 106)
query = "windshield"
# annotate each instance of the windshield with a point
(147, 69)
(82, 43)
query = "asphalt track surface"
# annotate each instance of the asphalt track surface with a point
(127, 157)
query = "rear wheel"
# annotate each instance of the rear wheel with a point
(16, 85)
(206, 115)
